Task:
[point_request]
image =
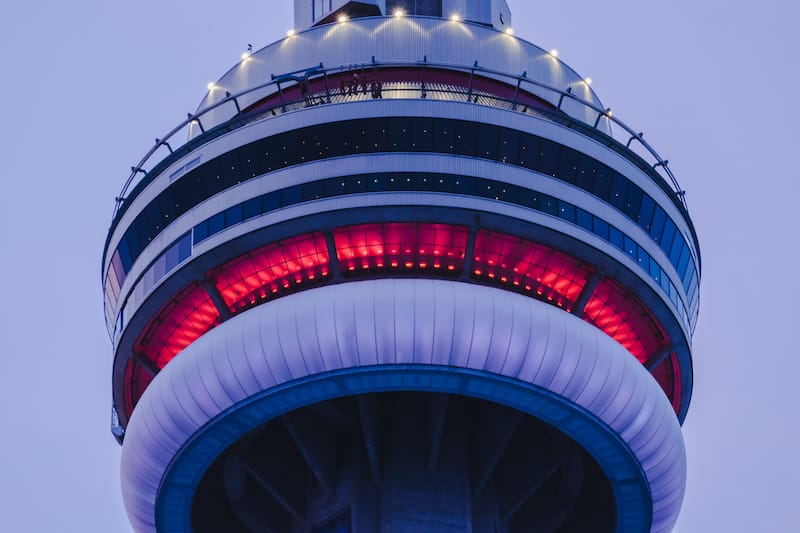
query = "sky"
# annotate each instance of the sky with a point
(86, 86)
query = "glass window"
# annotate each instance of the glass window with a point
(216, 223)
(615, 237)
(444, 135)
(619, 186)
(233, 215)
(488, 138)
(667, 233)
(646, 213)
(676, 249)
(422, 135)
(585, 220)
(566, 211)
(200, 231)
(602, 185)
(633, 202)
(509, 146)
(601, 228)
(568, 165)
(529, 151)
(251, 208)
(630, 247)
(549, 204)
(587, 173)
(270, 201)
(548, 157)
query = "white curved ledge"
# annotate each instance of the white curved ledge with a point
(402, 321)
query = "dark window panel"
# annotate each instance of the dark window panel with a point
(529, 147)
(615, 237)
(549, 205)
(270, 201)
(566, 211)
(488, 138)
(509, 146)
(216, 223)
(568, 165)
(200, 231)
(602, 186)
(619, 186)
(600, 228)
(444, 136)
(585, 220)
(251, 208)
(587, 173)
(633, 202)
(676, 249)
(422, 135)
(666, 232)
(646, 213)
(548, 157)
(233, 215)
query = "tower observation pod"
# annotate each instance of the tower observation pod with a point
(401, 271)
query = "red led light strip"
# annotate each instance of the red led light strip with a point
(622, 317)
(401, 248)
(528, 267)
(272, 271)
(396, 249)
(179, 323)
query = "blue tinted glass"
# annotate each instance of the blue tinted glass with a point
(676, 249)
(251, 208)
(200, 231)
(270, 201)
(615, 237)
(585, 220)
(657, 226)
(601, 228)
(619, 187)
(185, 246)
(630, 247)
(291, 196)
(549, 205)
(633, 201)
(216, 223)
(668, 236)
(233, 215)
(548, 157)
(643, 258)
(566, 211)
(646, 213)
(172, 256)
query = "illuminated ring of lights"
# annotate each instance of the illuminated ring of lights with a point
(461, 338)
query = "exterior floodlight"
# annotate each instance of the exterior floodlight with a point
(553, 53)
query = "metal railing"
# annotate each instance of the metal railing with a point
(602, 124)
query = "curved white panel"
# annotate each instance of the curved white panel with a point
(402, 321)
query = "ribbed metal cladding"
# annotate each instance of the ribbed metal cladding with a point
(397, 39)
(390, 322)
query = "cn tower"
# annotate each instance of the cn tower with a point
(401, 271)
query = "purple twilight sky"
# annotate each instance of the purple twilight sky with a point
(86, 86)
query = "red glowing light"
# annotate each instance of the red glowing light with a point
(269, 268)
(179, 323)
(410, 245)
(622, 317)
(553, 273)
